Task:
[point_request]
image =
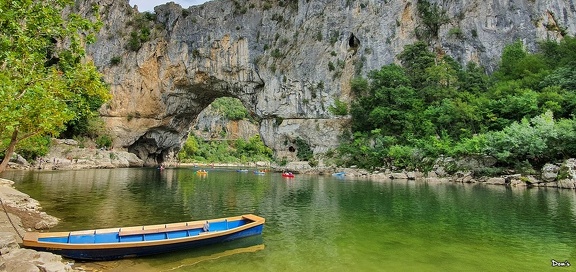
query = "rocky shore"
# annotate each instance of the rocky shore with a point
(20, 213)
(68, 154)
(562, 176)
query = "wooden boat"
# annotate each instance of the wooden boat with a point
(117, 243)
(288, 175)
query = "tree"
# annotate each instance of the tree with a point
(433, 17)
(415, 59)
(43, 72)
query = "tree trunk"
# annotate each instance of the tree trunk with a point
(9, 151)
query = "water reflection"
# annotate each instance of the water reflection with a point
(186, 260)
(322, 223)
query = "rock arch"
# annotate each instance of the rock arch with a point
(276, 60)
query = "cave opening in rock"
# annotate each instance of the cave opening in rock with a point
(353, 42)
(224, 129)
(291, 149)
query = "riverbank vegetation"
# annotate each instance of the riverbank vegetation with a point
(228, 151)
(405, 116)
(199, 150)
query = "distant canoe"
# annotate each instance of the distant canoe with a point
(201, 172)
(339, 174)
(117, 243)
(259, 172)
(242, 170)
(288, 175)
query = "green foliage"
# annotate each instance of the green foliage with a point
(276, 53)
(189, 149)
(406, 116)
(388, 97)
(44, 85)
(339, 108)
(517, 64)
(34, 147)
(456, 32)
(230, 108)
(240, 150)
(104, 141)
(304, 153)
(433, 17)
(562, 54)
(142, 24)
(331, 66)
(525, 140)
(319, 36)
(415, 59)
(402, 156)
(563, 77)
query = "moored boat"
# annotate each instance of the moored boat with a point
(117, 243)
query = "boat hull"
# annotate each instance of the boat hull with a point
(113, 251)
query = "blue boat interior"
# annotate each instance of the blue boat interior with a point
(117, 237)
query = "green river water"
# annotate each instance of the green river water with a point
(319, 223)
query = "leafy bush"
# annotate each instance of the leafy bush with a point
(33, 147)
(304, 152)
(104, 141)
(339, 108)
(230, 108)
(240, 150)
(526, 140)
(402, 156)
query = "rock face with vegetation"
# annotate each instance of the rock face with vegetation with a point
(224, 119)
(289, 62)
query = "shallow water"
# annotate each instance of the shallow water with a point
(316, 223)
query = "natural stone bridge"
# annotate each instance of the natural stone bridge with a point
(287, 61)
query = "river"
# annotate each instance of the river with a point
(319, 223)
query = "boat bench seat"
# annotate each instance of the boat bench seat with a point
(160, 230)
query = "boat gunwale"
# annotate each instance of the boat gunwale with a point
(31, 239)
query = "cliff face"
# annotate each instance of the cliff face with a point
(286, 60)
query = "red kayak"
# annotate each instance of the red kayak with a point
(288, 175)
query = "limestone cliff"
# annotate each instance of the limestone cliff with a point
(286, 60)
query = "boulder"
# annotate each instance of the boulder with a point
(496, 181)
(298, 167)
(31, 260)
(566, 184)
(8, 242)
(400, 175)
(550, 172)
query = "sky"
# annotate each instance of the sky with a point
(148, 5)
